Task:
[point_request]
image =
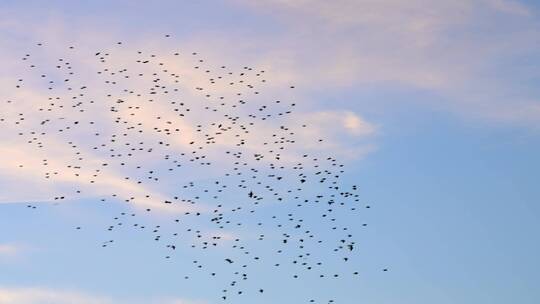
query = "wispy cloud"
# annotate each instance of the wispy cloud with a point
(39, 295)
(43, 296)
(25, 162)
(9, 250)
(510, 6)
(478, 56)
(468, 52)
(109, 182)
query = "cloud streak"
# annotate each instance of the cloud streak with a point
(43, 296)
(40, 295)
(468, 52)
(63, 170)
(9, 249)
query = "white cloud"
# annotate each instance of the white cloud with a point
(47, 296)
(468, 52)
(357, 125)
(56, 151)
(510, 6)
(9, 249)
(38, 295)
(183, 301)
(109, 182)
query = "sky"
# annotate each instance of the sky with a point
(433, 106)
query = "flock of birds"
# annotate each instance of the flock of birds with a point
(170, 134)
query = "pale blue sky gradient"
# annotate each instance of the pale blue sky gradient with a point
(452, 176)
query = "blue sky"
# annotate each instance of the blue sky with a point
(432, 105)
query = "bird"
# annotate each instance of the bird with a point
(166, 130)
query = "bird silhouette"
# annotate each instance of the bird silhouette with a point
(169, 131)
